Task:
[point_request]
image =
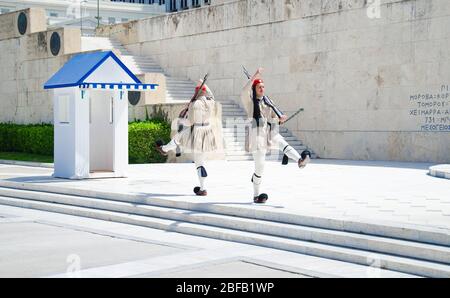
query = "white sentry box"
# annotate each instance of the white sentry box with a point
(91, 116)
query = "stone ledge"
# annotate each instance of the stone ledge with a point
(26, 163)
(440, 171)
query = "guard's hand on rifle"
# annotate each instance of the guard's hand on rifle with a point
(183, 112)
(200, 81)
(258, 73)
(283, 119)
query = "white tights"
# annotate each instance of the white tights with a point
(259, 157)
(199, 159)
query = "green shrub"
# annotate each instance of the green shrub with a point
(38, 139)
(141, 141)
(32, 138)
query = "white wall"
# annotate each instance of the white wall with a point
(355, 75)
(71, 147)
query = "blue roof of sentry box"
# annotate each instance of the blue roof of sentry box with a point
(77, 69)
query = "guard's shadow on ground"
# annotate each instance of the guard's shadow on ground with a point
(246, 204)
(141, 198)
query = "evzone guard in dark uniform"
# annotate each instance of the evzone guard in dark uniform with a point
(200, 135)
(263, 134)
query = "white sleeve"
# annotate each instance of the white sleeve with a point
(246, 97)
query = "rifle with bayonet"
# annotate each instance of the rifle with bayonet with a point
(270, 103)
(185, 111)
(277, 111)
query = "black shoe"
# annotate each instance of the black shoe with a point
(158, 146)
(261, 199)
(178, 151)
(200, 193)
(306, 158)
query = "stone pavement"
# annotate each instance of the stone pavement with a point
(35, 243)
(403, 193)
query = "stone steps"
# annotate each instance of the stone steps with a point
(177, 97)
(406, 256)
(236, 134)
(139, 59)
(231, 112)
(140, 71)
(231, 109)
(186, 88)
(178, 89)
(143, 67)
(187, 96)
(236, 115)
(431, 235)
(272, 155)
(241, 138)
(241, 127)
(249, 157)
(186, 91)
(238, 144)
(276, 155)
(231, 117)
(241, 132)
(184, 82)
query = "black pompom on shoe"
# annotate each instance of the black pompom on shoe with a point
(199, 192)
(305, 154)
(306, 158)
(261, 199)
